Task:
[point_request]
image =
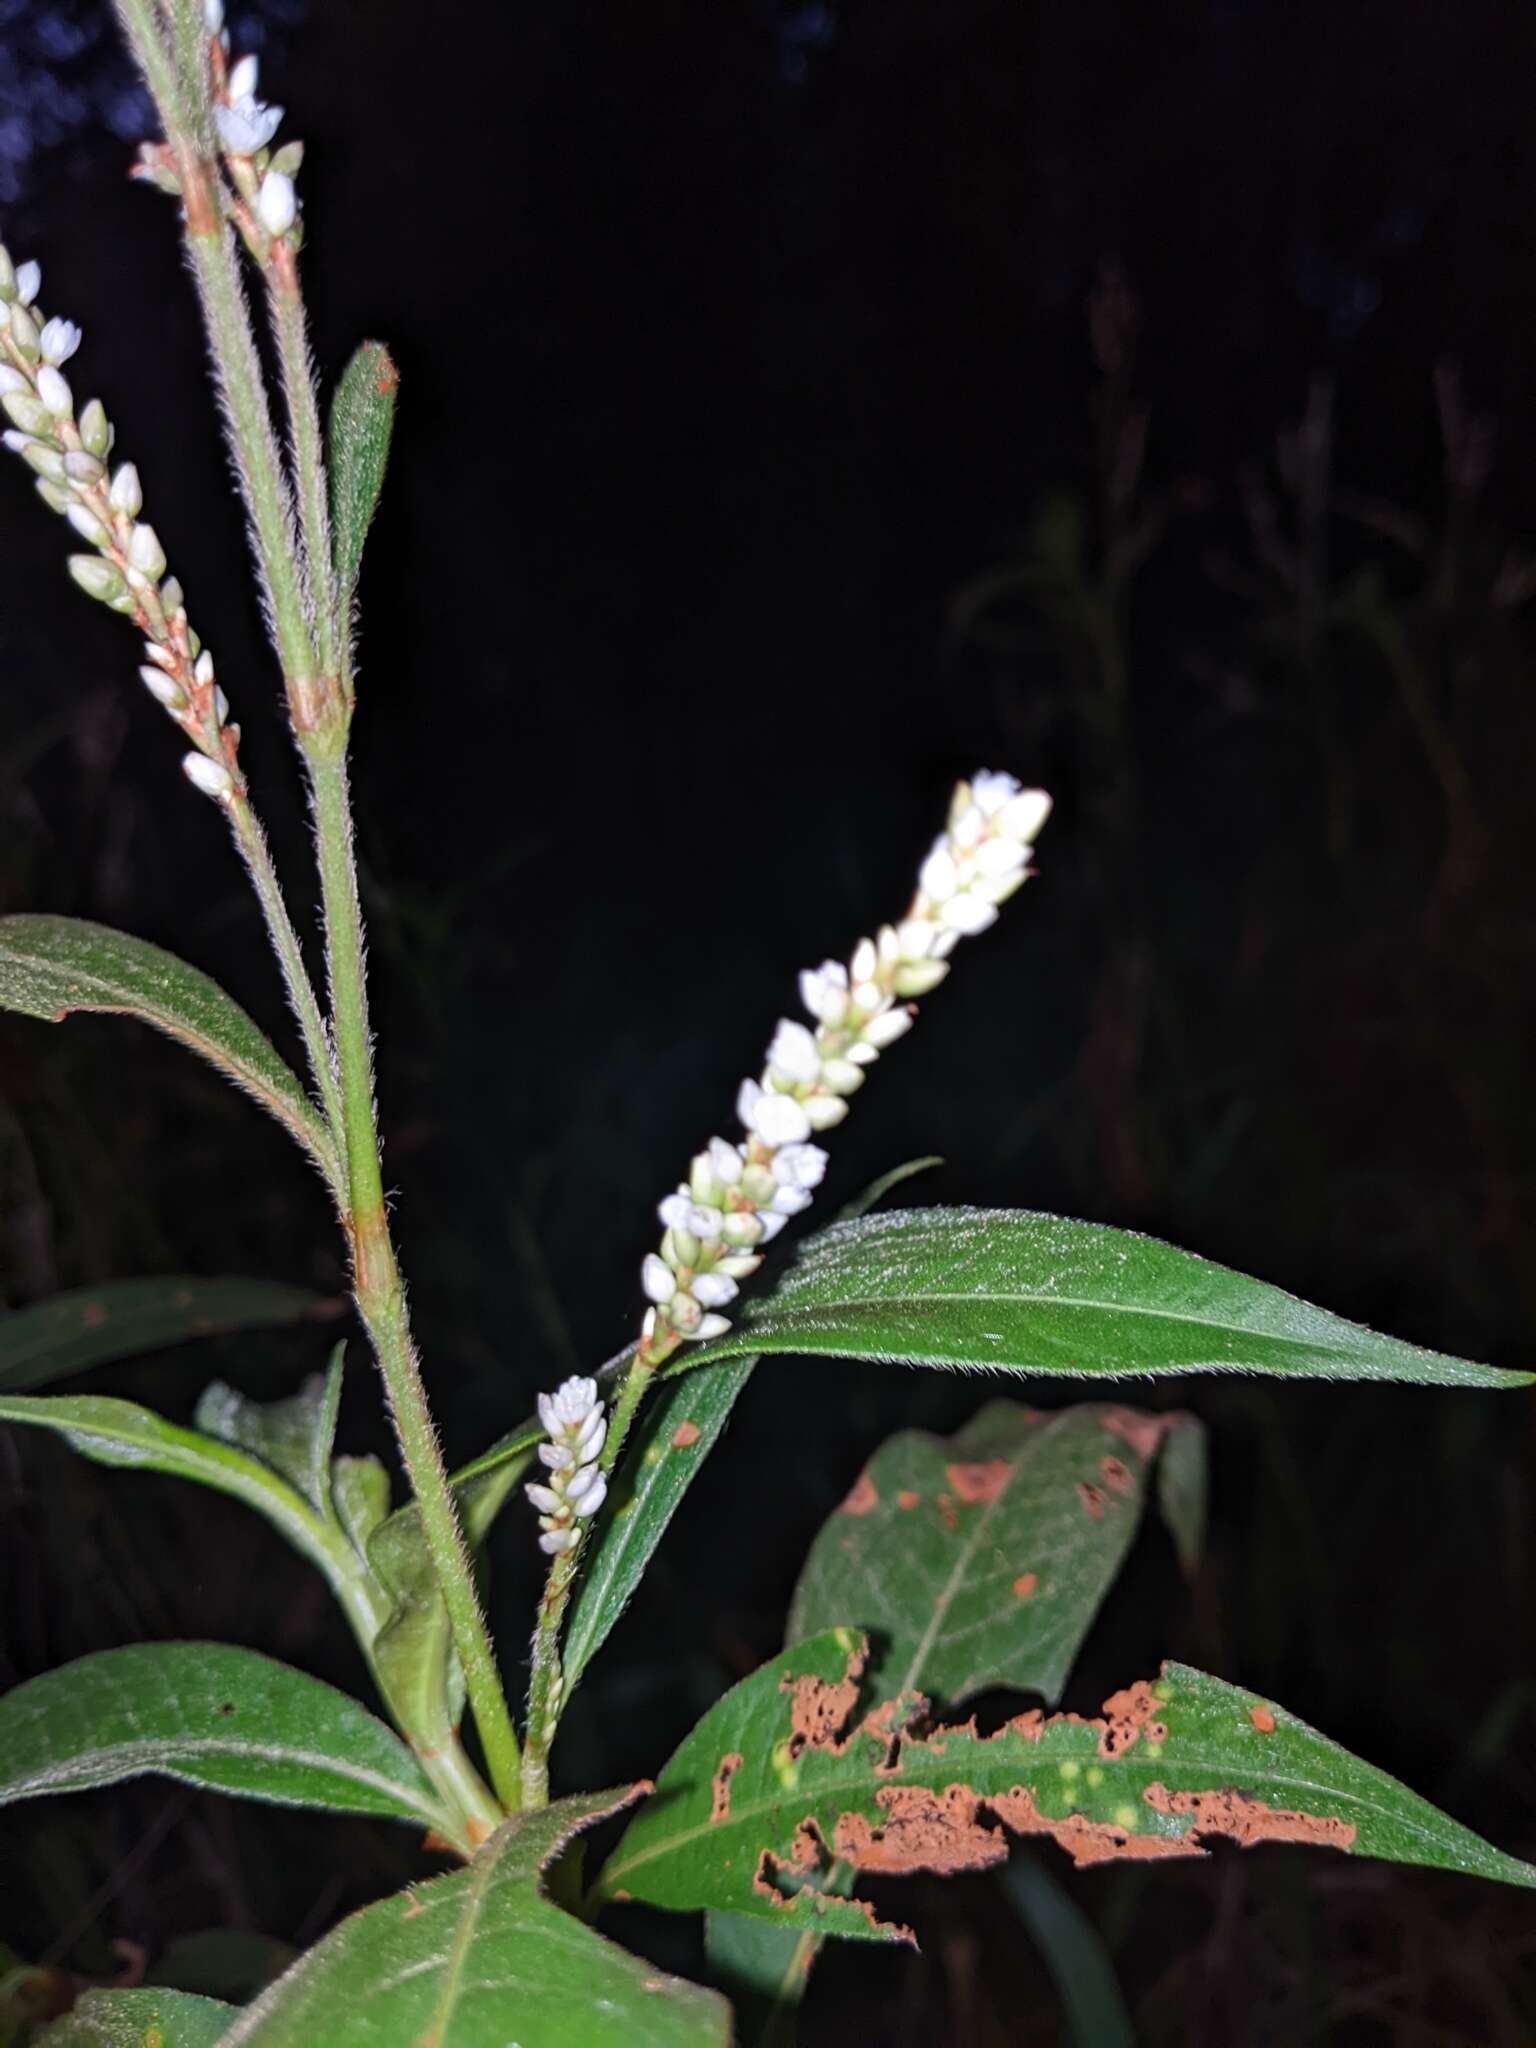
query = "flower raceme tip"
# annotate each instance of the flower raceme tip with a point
(738, 1196)
(575, 1487)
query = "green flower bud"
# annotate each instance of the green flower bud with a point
(55, 497)
(46, 460)
(7, 275)
(24, 332)
(95, 431)
(27, 412)
(99, 579)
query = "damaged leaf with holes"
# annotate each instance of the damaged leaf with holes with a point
(792, 1770)
(981, 1559)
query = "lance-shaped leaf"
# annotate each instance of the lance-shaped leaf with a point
(677, 1432)
(1182, 1486)
(295, 1436)
(1004, 1289)
(122, 1433)
(122, 1318)
(481, 1959)
(783, 1775)
(981, 1559)
(144, 2018)
(213, 1715)
(357, 448)
(50, 966)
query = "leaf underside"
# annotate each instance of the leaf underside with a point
(141, 2018)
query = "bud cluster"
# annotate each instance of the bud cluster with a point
(576, 1487)
(738, 1196)
(68, 450)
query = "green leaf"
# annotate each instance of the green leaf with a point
(1182, 1486)
(113, 1432)
(1075, 1955)
(360, 1494)
(783, 1775)
(140, 2019)
(765, 1969)
(295, 1437)
(981, 1559)
(357, 449)
(677, 1432)
(481, 1959)
(1006, 1290)
(121, 1318)
(50, 966)
(209, 1714)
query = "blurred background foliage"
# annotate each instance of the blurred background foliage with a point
(804, 403)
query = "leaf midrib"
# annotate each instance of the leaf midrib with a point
(159, 1752)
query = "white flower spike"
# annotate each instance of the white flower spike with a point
(741, 1196)
(576, 1487)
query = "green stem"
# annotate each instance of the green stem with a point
(254, 851)
(376, 1276)
(288, 325)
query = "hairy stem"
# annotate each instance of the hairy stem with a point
(254, 851)
(290, 328)
(376, 1276)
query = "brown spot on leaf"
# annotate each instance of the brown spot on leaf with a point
(1086, 1841)
(1248, 1821)
(921, 1830)
(819, 1708)
(686, 1433)
(862, 1498)
(720, 1786)
(1262, 1719)
(1024, 1585)
(1129, 1715)
(1116, 1476)
(907, 1499)
(980, 1482)
(1092, 1498)
(1142, 1432)
(413, 1906)
(945, 1503)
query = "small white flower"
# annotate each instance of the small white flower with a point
(865, 962)
(884, 1030)
(161, 688)
(915, 937)
(991, 790)
(824, 991)
(823, 1111)
(969, 913)
(86, 524)
(53, 389)
(544, 1498)
(772, 1224)
(999, 857)
(277, 203)
(58, 341)
(778, 1119)
(29, 281)
(937, 877)
(793, 1052)
(247, 126)
(243, 78)
(203, 667)
(11, 381)
(799, 1166)
(126, 494)
(1022, 816)
(726, 1161)
(554, 1541)
(658, 1279)
(714, 1290)
(592, 1497)
(712, 1326)
(967, 829)
(213, 16)
(211, 777)
(790, 1201)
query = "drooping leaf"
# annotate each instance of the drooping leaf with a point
(783, 1775)
(122, 1318)
(360, 1495)
(210, 1714)
(482, 1959)
(357, 448)
(1182, 1486)
(50, 966)
(1002, 1289)
(122, 1433)
(981, 1559)
(677, 1431)
(1074, 1952)
(294, 1436)
(144, 2018)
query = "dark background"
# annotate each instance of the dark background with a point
(802, 405)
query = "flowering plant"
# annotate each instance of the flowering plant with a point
(953, 1567)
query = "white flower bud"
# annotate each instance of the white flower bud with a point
(213, 16)
(544, 1498)
(202, 668)
(126, 494)
(823, 1111)
(58, 341)
(276, 203)
(991, 790)
(778, 1119)
(11, 380)
(658, 1279)
(592, 1497)
(725, 1160)
(54, 391)
(937, 877)
(789, 1201)
(772, 1224)
(793, 1052)
(799, 1166)
(1022, 817)
(87, 525)
(969, 913)
(554, 1541)
(211, 777)
(885, 1029)
(29, 282)
(864, 963)
(712, 1326)
(162, 688)
(145, 552)
(714, 1290)
(244, 77)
